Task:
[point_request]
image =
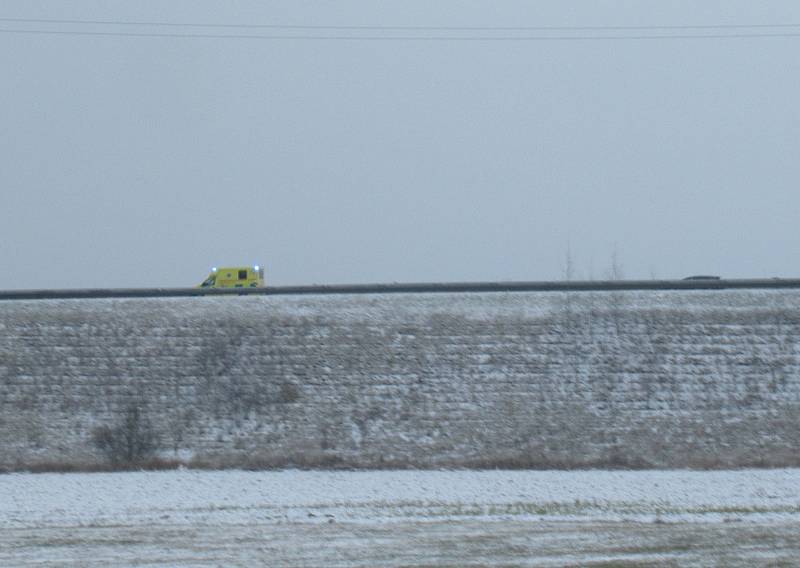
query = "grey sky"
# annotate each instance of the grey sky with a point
(145, 161)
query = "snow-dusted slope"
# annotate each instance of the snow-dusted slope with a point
(518, 379)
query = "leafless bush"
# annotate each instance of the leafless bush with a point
(131, 441)
(288, 393)
(152, 464)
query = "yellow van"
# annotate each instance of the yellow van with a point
(235, 277)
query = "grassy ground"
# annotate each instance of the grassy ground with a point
(437, 543)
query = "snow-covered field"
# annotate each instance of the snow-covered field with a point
(387, 518)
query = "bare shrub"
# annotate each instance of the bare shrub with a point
(152, 464)
(289, 393)
(131, 441)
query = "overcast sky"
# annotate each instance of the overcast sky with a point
(144, 161)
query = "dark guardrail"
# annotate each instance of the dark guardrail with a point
(409, 288)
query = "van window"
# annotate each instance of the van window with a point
(243, 275)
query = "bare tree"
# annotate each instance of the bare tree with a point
(569, 264)
(616, 297)
(567, 274)
(615, 271)
(130, 441)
